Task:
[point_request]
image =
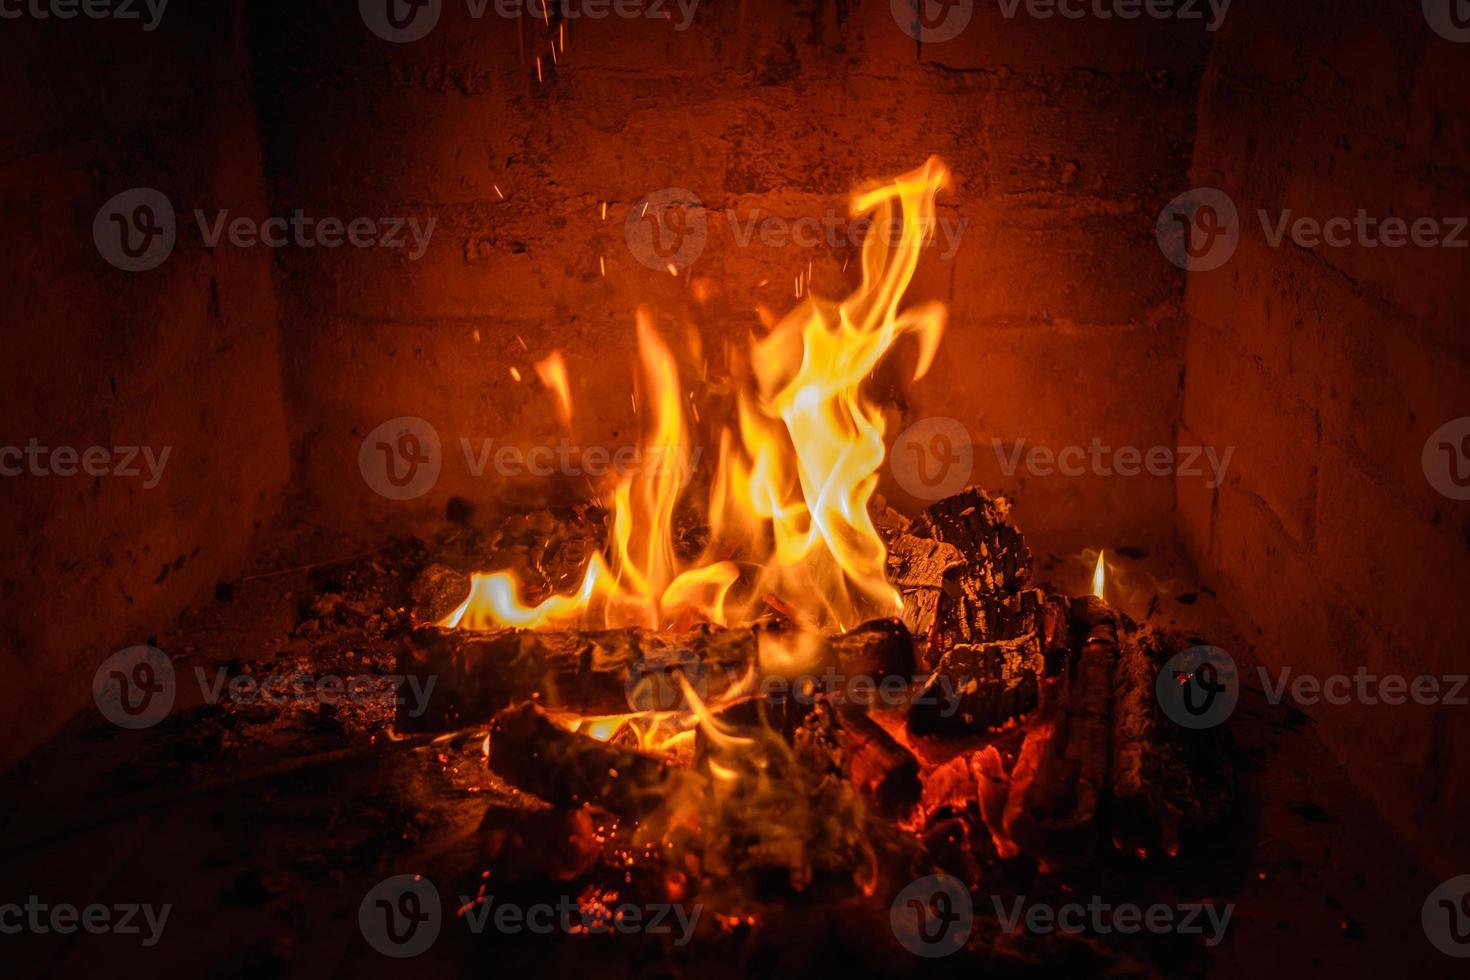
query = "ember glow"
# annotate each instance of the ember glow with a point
(798, 461)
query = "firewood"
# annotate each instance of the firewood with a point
(1061, 775)
(1168, 782)
(916, 568)
(604, 672)
(979, 527)
(979, 687)
(886, 773)
(534, 754)
(595, 673)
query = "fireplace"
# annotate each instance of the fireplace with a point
(737, 487)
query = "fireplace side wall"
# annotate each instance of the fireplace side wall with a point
(182, 358)
(1327, 369)
(1064, 139)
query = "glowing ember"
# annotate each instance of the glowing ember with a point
(798, 461)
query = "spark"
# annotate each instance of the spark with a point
(497, 191)
(515, 373)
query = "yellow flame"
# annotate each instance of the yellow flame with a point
(1099, 576)
(799, 454)
(553, 373)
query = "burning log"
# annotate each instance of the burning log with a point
(979, 687)
(1167, 780)
(885, 772)
(917, 568)
(607, 672)
(979, 527)
(593, 673)
(1061, 775)
(534, 754)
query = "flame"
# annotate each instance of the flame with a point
(800, 447)
(1099, 576)
(553, 374)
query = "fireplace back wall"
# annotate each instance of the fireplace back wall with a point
(1064, 140)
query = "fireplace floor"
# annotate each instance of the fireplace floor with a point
(265, 826)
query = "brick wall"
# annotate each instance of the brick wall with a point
(1328, 368)
(1064, 138)
(182, 357)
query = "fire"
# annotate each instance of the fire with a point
(1099, 577)
(798, 460)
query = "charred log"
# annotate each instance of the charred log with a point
(534, 754)
(1060, 778)
(1168, 781)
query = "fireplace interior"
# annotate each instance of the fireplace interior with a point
(497, 549)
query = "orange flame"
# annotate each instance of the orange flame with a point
(787, 503)
(1099, 577)
(553, 373)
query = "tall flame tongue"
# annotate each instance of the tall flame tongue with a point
(796, 467)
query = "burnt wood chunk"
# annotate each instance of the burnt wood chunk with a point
(599, 672)
(884, 772)
(605, 672)
(979, 527)
(1168, 782)
(978, 687)
(534, 754)
(917, 567)
(1061, 776)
